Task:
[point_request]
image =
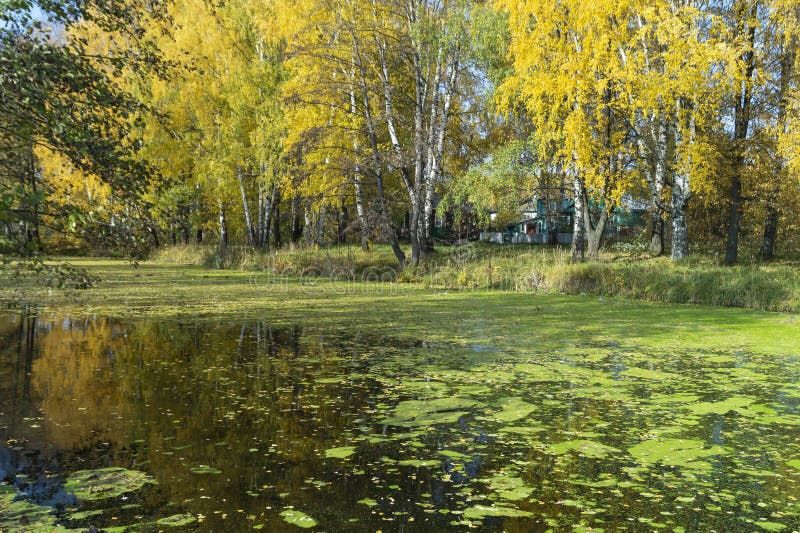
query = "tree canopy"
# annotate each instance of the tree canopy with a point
(267, 122)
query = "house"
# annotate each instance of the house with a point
(550, 221)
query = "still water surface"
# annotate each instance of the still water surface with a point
(215, 425)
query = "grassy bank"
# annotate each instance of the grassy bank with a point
(508, 320)
(547, 270)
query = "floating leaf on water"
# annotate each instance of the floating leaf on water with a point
(675, 452)
(453, 454)
(652, 375)
(737, 404)
(340, 452)
(425, 388)
(105, 483)
(327, 381)
(368, 502)
(83, 515)
(794, 463)
(298, 518)
(416, 413)
(177, 520)
(418, 462)
(509, 487)
(22, 515)
(205, 469)
(479, 512)
(770, 526)
(513, 409)
(589, 448)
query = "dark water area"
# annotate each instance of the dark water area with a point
(147, 425)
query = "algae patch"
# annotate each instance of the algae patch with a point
(513, 409)
(416, 413)
(298, 518)
(587, 448)
(105, 483)
(22, 515)
(340, 453)
(205, 469)
(685, 453)
(177, 520)
(479, 512)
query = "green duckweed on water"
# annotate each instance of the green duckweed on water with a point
(176, 520)
(205, 469)
(19, 514)
(298, 518)
(341, 452)
(433, 412)
(105, 483)
(685, 453)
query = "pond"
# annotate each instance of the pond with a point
(223, 424)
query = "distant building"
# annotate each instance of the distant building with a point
(550, 221)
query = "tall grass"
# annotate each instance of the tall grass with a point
(528, 268)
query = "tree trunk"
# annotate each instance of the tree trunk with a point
(322, 218)
(773, 213)
(595, 230)
(359, 193)
(656, 247)
(296, 229)
(270, 205)
(248, 221)
(747, 21)
(360, 212)
(734, 215)
(223, 226)
(343, 224)
(308, 226)
(770, 234)
(678, 204)
(376, 155)
(413, 234)
(429, 217)
(578, 246)
(275, 221)
(681, 185)
(154, 235)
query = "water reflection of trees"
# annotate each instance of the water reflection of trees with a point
(167, 396)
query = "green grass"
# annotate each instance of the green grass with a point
(697, 280)
(413, 310)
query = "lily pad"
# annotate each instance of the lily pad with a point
(794, 463)
(771, 526)
(22, 515)
(91, 485)
(205, 469)
(510, 487)
(675, 452)
(479, 512)
(417, 413)
(298, 518)
(736, 404)
(177, 520)
(83, 515)
(651, 375)
(418, 462)
(588, 448)
(513, 409)
(340, 453)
